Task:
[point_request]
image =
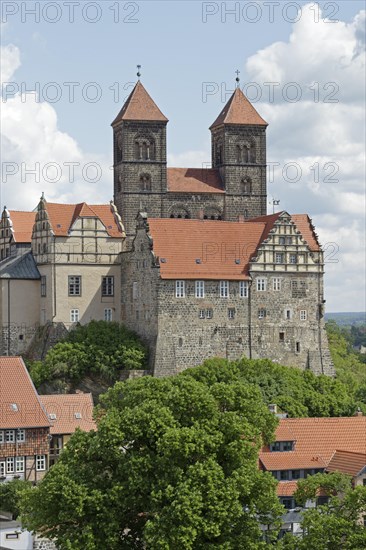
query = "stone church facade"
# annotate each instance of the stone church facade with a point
(199, 269)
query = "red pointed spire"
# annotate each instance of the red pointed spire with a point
(140, 106)
(239, 110)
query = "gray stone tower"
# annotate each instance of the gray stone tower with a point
(139, 145)
(239, 152)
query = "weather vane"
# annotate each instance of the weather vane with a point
(274, 202)
(138, 71)
(237, 77)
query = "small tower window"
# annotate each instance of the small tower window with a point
(145, 182)
(246, 186)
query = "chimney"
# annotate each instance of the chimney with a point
(358, 412)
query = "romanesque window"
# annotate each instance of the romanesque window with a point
(144, 149)
(246, 186)
(179, 289)
(261, 285)
(212, 214)
(74, 285)
(218, 152)
(276, 284)
(145, 182)
(119, 148)
(224, 289)
(243, 289)
(238, 154)
(180, 212)
(246, 215)
(200, 289)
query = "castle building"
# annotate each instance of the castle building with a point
(186, 257)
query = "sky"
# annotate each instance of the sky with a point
(68, 66)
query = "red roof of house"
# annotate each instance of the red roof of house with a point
(306, 228)
(194, 180)
(204, 249)
(286, 488)
(20, 406)
(347, 462)
(63, 216)
(22, 223)
(71, 410)
(316, 440)
(140, 106)
(239, 110)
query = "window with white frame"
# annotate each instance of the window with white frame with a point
(231, 313)
(74, 285)
(74, 315)
(202, 314)
(40, 462)
(303, 315)
(276, 283)
(200, 289)
(209, 313)
(108, 315)
(108, 286)
(9, 436)
(19, 464)
(179, 289)
(261, 313)
(20, 435)
(224, 289)
(279, 258)
(10, 465)
(293, 258)
(243, 289)
(2, 468)
(261, 285)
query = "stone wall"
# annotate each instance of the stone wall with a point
(43, 544)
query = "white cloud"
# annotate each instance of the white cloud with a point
(323, 135)
(32, 141)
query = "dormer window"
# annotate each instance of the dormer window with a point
(282, 446)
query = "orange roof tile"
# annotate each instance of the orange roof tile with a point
(194, 180)
(304, 225)
(239, 110)
(22, 225)
(140, 106)
(67, 408)
(63, 216)
(204, 249)
(286, 488)
(316, 439)
(347, 462)
(20, 405)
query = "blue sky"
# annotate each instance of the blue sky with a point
(321, 133)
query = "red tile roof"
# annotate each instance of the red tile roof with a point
(347, 462)
(306, 228)
(286, 488)
(204, 249)
(62, 217)
(194, 180)
(20, 406)
(68, 408)
(22, 225)
(316, 440)
(140, 106)
(239, 110)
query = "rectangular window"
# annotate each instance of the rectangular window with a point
(179, 289)
(20, 435)
(243, 289)
(10, 465)
(231, 313)
(108, 316)
(261, 313)
(288, 314)
(202, 314)
(296, 474)
(74, 285)
(135, 291)
(200, 289)
(108, 286)
(40, 462)
(279, 258)
(282, 336)
(293, 258)
(284, 475)
(224, 289)
(1, 436)
(261, 285)
(303, 315)
(297, 347)
(282, 240)
(288, 240)
(43, 286)
(19, 464)
(209, 313)
(74, 315)
(9, 436)
(276, 283)
(287, 503)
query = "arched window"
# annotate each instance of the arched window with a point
(119, 148)
(239, 154)
(212, 214)
(180, 212)
(145, 182)
(251, 153)
(246, 186)
(144, 148)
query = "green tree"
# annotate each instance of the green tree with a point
(10, 494)
(337, 524)
(172, 465)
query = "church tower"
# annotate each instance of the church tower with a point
(238, 144)
(139, 145)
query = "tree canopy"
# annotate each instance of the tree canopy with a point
(173, 465)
